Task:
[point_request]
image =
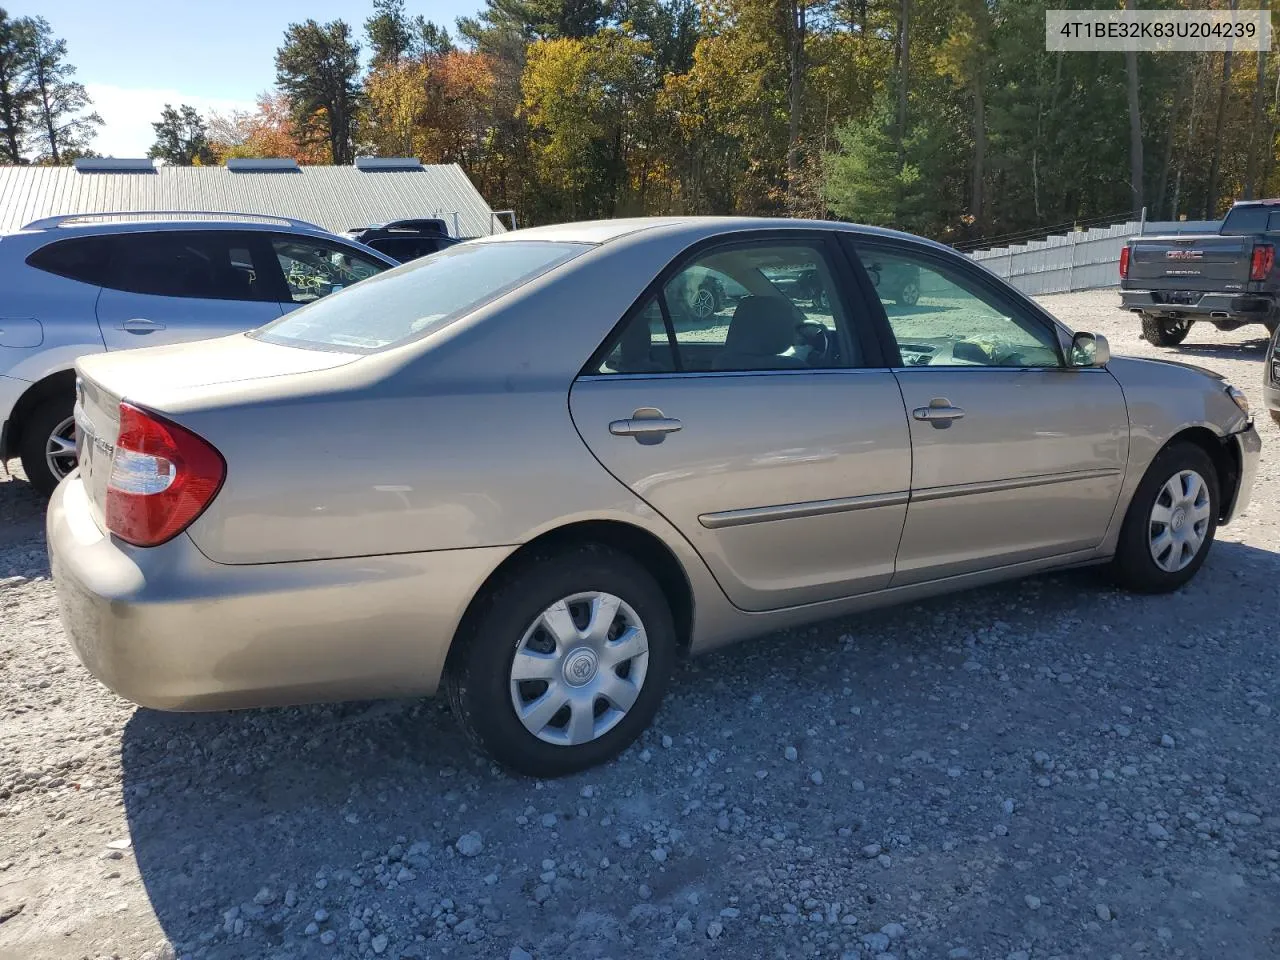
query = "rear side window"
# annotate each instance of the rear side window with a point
(418, 298)
(79, 258)
(206, 265)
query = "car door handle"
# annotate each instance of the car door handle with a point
(140, 325)
(648, 425)
(940, 412)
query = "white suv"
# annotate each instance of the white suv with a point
(74, 285)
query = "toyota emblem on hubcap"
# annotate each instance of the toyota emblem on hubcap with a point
(580, 667)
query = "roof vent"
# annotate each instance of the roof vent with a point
(262, 165)
(388, 163)
(115, 165)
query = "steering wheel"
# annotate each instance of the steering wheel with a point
(817, 338)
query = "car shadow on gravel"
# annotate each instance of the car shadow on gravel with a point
(274, 814)
(1241, 350)
(22, 510)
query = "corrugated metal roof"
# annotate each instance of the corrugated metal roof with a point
(336, 198)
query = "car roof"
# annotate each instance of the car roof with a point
(82, 225)
(144, 221)
(691, 230)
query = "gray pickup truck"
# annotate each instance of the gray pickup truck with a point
(1228, 278)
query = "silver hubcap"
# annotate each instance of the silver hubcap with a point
(60, 448)
(704, 304)
(579, 668)
(1179, 521)
(910, 293)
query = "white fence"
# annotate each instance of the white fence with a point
(1080, 260)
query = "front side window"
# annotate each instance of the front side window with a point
(313, 268)
(747, 307)
(941, 318)
(418, 298)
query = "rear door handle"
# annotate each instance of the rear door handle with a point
(940, 412)
(140, 325)
(648, 425)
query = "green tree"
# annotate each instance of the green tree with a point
(182, 138)
(62, 125)
(388, 32)
(430, 39)
(318, 69)
(589, 104)
(881, 177)
(17, 90)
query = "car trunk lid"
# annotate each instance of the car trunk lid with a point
(147, 377)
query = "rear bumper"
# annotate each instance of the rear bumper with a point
(1271, 396)
(1249, 447)
(168, 628)
(1271, 376)
(1246, 308)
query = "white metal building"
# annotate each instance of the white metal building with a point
(375, 190)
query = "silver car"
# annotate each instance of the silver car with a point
(79, 284)
(504, 469)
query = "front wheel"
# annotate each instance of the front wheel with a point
(48, 445)
(1164, 332)
(567, 662)
(1171, 521)
(909, 295)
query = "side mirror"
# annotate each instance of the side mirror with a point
(1090, 350)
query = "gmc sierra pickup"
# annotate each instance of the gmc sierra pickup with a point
(1228, 278)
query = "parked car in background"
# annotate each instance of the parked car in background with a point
(75, 285)
(1228, 278)
(406, 240)
(1271, 377)
(546, 491)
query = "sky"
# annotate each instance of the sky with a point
(135, 56)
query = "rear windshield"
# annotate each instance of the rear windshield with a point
(1251, 219)
(418, 298)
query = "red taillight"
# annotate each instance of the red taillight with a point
(162, 478)
(1124, 262)
(1264, 258)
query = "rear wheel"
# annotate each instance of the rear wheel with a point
(909, 295)
(1171, 521)
(567, 662)
(48, 445)
(1163, 331)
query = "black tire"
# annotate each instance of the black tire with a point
(1164, 332)
(478, 677)
(36, 430)
(1133, 566)
(909, 295)
(1272, 325)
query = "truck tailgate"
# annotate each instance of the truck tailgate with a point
(1192, 263)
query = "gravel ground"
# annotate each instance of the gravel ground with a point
(1045, 769)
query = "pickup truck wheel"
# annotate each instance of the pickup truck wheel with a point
(1164, 332)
